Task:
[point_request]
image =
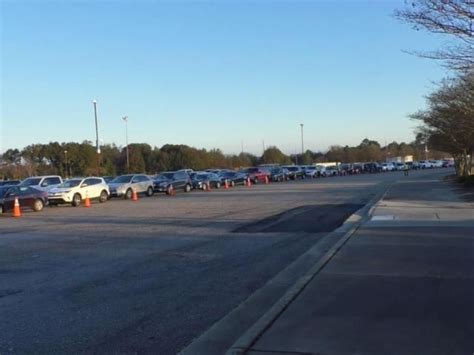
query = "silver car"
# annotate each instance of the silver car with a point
(123, 186)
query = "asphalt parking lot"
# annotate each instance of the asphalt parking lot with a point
(149, 276)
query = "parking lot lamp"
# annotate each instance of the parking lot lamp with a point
(65, 157)
(125, 119)
(302, 145)
(97, 137)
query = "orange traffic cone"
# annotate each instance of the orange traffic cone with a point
(226, 184)
(249, 183)
(134, 195)
(87, 202)
(266, 179)
(16, 208)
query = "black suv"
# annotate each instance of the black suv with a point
(167, 181)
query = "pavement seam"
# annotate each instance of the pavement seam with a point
(251, 336)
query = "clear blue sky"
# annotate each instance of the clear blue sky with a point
(209, 74)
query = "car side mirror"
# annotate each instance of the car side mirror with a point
(84, 185)
(44, 184)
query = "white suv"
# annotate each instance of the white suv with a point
(42, 183)
(74, 191)
(425, 164)
(436, 163)
(388, 167)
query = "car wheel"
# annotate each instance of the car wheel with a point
(204, 187)
(255, 181)
(218, 185)
(232, 183)
(1, 209)
(104, 196)
(38, 205)
(169, 189)
(76, 200)
(149, 191)
(128, 194)
(187, 188)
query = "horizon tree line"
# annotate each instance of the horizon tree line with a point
(80, 159)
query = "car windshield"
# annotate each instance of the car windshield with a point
(31, 182)
(71, 183)
(292, 168)
(122, 179)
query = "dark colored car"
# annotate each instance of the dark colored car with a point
(27, 197)
(202, 180)
(372, 168)
(108, 179)
(172, 180)
(347, 169)
(10, 182)
(233, 178)
(295, 172)
(256, 175)
(278, 174)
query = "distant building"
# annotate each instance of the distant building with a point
(328, 164)
(404, 159)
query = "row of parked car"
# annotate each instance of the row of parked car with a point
(39, 191)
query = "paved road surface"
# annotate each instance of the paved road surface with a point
(148, 277)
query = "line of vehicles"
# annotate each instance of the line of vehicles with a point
(39, 191)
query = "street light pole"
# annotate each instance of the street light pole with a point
(65, 156)
(125, 118)
(97, 137)
(302, 145)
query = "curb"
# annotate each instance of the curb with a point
(249, 338)
(218, 339)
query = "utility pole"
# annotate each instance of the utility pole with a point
(65, 156)
(242, 146)
(263, 143)
(125, 119)
(97, 137)
(302, 145)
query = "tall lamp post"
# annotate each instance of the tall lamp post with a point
(302, 145)
(125, 119)
(65, 156)
(97, 137)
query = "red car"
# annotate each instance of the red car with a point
(27, 197)
(257, 175)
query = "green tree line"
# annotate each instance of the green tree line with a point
(80, 159)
